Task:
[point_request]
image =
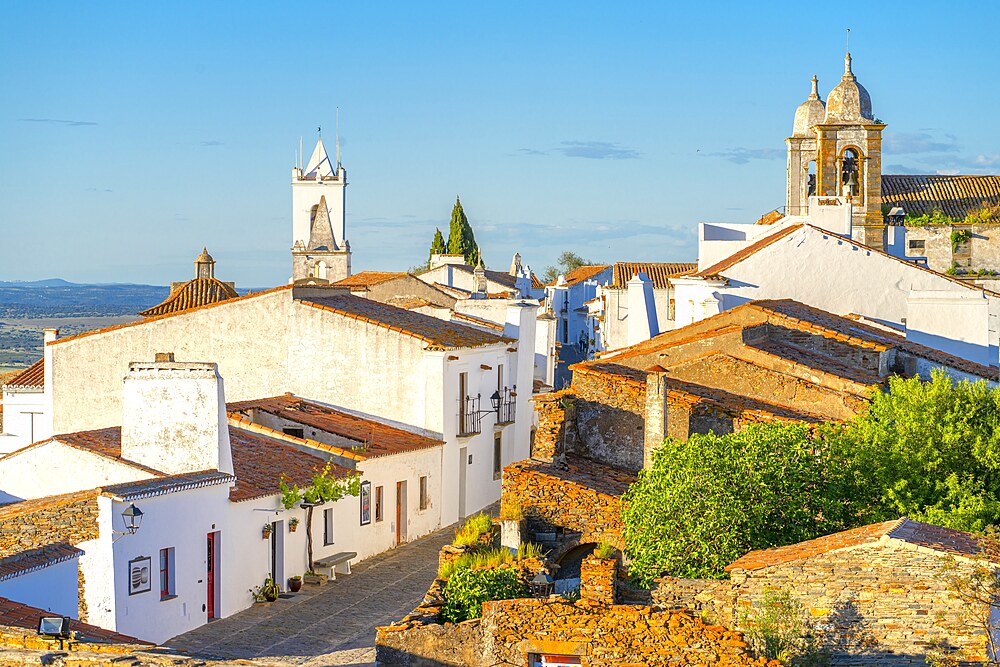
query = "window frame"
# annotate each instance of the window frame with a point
(425, 496)
(168, 582)
(378, 504)
(328, 527)
(497, 455)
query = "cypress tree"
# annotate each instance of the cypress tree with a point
(461, 240)
(438, 246)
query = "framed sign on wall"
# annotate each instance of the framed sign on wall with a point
(140, 578)
(366, 503)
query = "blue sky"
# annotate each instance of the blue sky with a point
(132, 134)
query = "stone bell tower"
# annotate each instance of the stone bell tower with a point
(320, 252)
(836, 151)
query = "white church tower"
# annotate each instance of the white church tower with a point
(320, 252)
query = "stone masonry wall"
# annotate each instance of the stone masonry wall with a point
(879, 604)
(35, 523)
(876, 600)
(605, 636)
(598, 577)
(610, 418)
(555, 414)
(567, 499)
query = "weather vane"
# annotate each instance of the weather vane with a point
(848, 40)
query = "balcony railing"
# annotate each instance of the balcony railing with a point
(508, 403)
(470, 419)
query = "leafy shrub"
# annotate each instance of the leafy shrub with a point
(926, 450)
(776, 630)
(529, 550)
(511, 511)
(467, 590)
(474, 527)
(705, 502)
(604, 550)
(476, 560)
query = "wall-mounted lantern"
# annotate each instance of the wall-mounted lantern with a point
(132, 519)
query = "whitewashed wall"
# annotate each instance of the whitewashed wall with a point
(53, 468)
(17, 424)
(53, 588)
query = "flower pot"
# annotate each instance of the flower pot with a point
(265, 534)
(292, 527)
(295, 584)
(315, 579)
(270, 597)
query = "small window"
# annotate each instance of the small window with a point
(294, 432)
(425, 500)
(500, 378)
(554, 660)
(672, 310)
(378, 503)
(328, 526)
(167, 587)
(916, 244)
(497, 455)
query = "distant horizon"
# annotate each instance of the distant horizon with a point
(140, 133)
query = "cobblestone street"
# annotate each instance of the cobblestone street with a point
(329, 625)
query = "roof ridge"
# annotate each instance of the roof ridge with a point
(243, 424)
(747, 251)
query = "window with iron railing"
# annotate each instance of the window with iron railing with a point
(470, 420)
(508, 403)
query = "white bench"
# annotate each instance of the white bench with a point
(337, 563)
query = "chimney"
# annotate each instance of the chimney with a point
(174, 416)
(642, 322)
(49, 335)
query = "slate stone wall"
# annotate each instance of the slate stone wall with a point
(36, 523)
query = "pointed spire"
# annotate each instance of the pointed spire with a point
(847, 65)
(320, 232)
(319, 164)
(814, 95)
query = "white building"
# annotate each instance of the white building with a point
(566, 300)
(206, 483)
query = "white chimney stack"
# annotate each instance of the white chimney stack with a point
(642, 322)
(174, 416)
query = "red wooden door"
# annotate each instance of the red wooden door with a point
(210, 576)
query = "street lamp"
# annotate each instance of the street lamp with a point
(131, 518)
(542, 585)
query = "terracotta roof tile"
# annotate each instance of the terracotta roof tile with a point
(691, 393)
(770, 218)
(751, 249)
(104, 442)
(659, 272)
(437, 333)
(18, 615)
(945, 540)
(956, 196)
(369, 278)
(376, 438)
(806, 318)
(477, 321)
(31, 377)
(259, 462)
(31, 560)
(581, 273)
(192, 294)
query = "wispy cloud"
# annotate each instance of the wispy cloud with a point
(212, 142)
(902, 143)
(592, 150)
(743, 155)
(901, 169)
(56, 121)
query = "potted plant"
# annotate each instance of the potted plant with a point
(293, 525)
(268, 592)
(314, 578)
(295, 583)
(266, 531)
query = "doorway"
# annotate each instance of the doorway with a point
(400, 512)
(278, 553)
(211, 574)
(463, 465)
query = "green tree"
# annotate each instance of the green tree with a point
(567, 261)
(323, 488)
(461, 240)
(930, 450)
(438, 246)
(467, 590)
(705, 502)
